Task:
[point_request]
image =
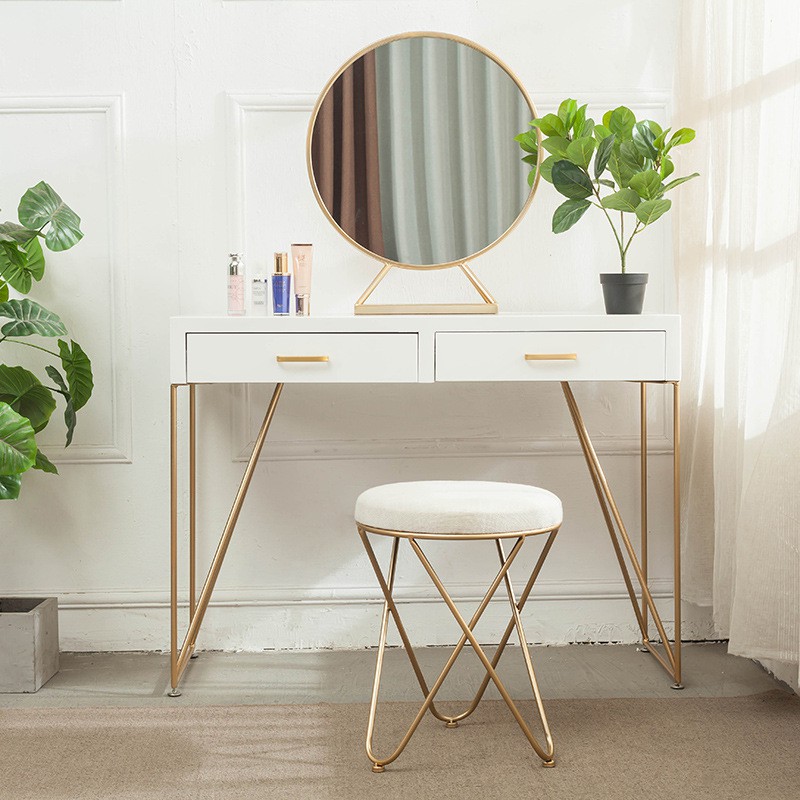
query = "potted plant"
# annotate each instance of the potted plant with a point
(619, 166)
(29, 626)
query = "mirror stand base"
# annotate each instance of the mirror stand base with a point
(425, 308)
(488, 306)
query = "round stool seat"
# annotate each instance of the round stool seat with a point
(458, 508)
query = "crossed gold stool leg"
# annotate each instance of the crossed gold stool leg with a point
(546, 751)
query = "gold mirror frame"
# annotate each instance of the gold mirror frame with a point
(488, 304)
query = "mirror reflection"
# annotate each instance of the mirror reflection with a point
(413, 151)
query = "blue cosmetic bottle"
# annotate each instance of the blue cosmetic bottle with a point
(281, 285)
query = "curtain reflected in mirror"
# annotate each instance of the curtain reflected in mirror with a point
(413, 151)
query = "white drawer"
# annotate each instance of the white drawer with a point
(551, 356)
(301, 357)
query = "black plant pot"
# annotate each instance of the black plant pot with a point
(623, 292)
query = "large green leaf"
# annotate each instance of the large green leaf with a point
(3, 291)
(650, 210)
(11, 232)
(647, 184)
(70, 420)
(29, 318)
(621, 122)
(603, 154)
(546, 168)
(571, 181)
(631, 156)
(567, 111)
(10, 486)
(667, 167)
(79, 372)
(620, 171)
(528, 141)
(39, 206)
(601, 132)
(623, 200)
(579, 126)
(644, 140)
(681, 136)
(568, 213)
(550, 125)
(557, 145)
(679, 181)
(20, 275)
(24, 392)
(580, 151)
(17, 445)
(44, 463)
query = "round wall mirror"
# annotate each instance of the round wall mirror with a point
(411, 150)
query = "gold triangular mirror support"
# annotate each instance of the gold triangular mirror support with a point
(488, 306)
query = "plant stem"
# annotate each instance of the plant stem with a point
(28, 344)
(613, 227)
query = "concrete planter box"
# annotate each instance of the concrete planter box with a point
(28, 642)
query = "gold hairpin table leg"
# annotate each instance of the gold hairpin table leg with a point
(670, 659)
(179, 657)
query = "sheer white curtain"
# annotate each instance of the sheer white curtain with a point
(738, 84)
(452, 180)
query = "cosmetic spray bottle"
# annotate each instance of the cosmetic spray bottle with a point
(281, 285)
(235, 285)
(258, 294)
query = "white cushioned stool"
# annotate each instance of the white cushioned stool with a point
(468, 511)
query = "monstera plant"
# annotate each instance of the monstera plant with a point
(622, 167)
(26, 403)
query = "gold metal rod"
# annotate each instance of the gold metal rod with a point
(479, 287)
(574, 411)
(545, 755)
(509, 628)
(650, 647)
(591, 456)
(643, 468)
(302, 359)
(392, 609)
(192, 502)
(371, 288)
(676, 521)
(551, 356)
(526, 655)
(173, 538)
(382, 762)
(227, 533)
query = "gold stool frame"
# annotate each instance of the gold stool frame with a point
(546, 753)
(644, 608)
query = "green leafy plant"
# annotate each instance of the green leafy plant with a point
(26, 404)
(620, 166)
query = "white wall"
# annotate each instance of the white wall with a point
(176, 128)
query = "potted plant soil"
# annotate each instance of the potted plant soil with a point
(619, 167)
(28, 625)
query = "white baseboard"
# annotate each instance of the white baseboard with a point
(347, 618)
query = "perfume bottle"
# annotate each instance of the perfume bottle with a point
(235, 285)
(258, 294)
(281, 285)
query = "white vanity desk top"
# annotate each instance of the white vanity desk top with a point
(425, 348)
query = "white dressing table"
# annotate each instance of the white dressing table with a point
(428, 349)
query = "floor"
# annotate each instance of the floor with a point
(282, 677)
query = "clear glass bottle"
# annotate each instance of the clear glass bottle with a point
(236, 286)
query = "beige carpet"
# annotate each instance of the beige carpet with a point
(740, 747)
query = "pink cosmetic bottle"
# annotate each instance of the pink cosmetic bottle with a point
(235, 286)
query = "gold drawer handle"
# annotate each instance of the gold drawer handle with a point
(551, 356)
(301, 359)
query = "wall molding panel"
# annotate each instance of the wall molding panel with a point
(117, 449)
